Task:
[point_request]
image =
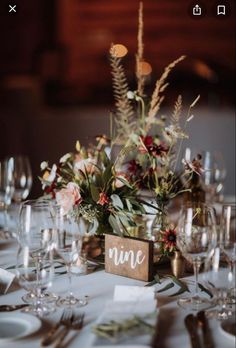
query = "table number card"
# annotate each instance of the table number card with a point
(129, 257)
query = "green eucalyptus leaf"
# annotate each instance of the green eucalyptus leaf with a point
(129, 205)
(202, 288)
(167, 287)
(94, 192)
(107, 174)
(178, 282)
(117, 202)
(116, 227)
(179, 292)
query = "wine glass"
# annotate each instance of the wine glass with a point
(35, 271)
(69, 245)
(6, 191)
(212, 172)
(196, 233)
(22, 175)
(36, 231)
(218, 278)
(228, 239)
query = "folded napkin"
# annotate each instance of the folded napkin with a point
(128, 302)
(6, 279)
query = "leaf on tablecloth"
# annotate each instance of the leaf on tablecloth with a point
(167, 287)
(202, 288)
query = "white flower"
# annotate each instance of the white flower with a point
(52, 175)
(44, 165)
(65, 158)
(130, 95)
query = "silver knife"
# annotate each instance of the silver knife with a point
(203, 323)
(10, 308)
(192, 326)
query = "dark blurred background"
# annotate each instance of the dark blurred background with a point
(55, 80)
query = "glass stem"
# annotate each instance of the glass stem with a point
(196, 267)
(38, 302)
(70, 280)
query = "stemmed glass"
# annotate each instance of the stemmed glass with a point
(6, 190)
(22, 175)
(35, 271)
(36, 231)
(69, 245)
(213, 172)
(196, 234)
(228, 239)
(218, 278)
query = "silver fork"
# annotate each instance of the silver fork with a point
(75, 324)
(64, 320)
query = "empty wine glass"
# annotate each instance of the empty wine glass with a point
(228, 239)
(36, 231)
(196, 233)
(6, 192)
(69, 245)
(35, 271)
(212, 172)
(218, 278)
(22, 175)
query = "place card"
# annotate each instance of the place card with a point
(129, 257)
(133, 293)
(6, 279)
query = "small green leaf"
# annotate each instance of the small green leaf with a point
(94, 192)
(157, 278)
(117, 202)
(178, 282)
(113, 222)
(153, 282)
(179, 292)
(167, 287)
(129, 205)
(202, 288)
(107, 174)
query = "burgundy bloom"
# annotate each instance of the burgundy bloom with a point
(133, 167)
(148, 140)
(168, 239)
(158, 150)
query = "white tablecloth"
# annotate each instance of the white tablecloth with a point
(99, 286)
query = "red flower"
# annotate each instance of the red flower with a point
(133, 167)
(103, 199)
(148, 140)
(168, 239)
(158, 150)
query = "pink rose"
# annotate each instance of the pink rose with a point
(68, 197)
(75, 190)
(65, 199)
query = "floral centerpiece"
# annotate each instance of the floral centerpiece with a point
(87, 184)
(157, 139)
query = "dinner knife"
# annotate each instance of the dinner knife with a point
(203, 323)
(191, 325)
(10, 308)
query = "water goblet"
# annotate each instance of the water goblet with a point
(35, 271)
(69, 245)
(196, 234)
